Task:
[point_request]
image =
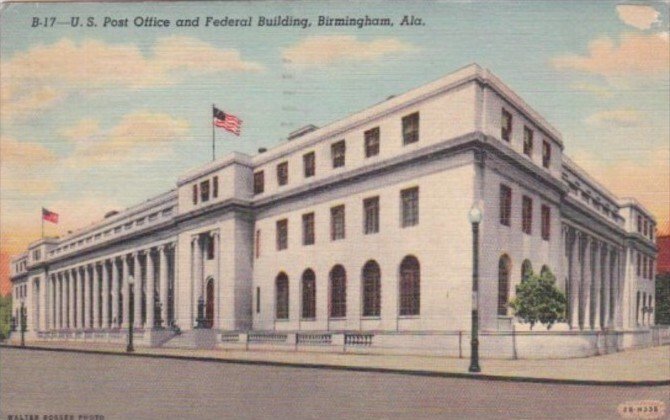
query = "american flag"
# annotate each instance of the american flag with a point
(49, 216)
(227, 121)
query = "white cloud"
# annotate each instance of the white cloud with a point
(139, 136)
(634, 55)
(26, 167)
(332, 49)
(626, 117)
(598, 90)
(39, 77)
(638, 16)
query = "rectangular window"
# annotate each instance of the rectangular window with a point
(204, 191)
(258, 300)
(259, 182)
(308, 229)
(410, 128)
(646, 227)
(639, 224)
(546, 222)
(371, 215)
(215, 187)
(282, 173)
(527, 215)
(210, 248)
(546, 154)
(309, 164)
(527, 141)
(409, 199)
(338, 152)
(639, 265)
(258, 243)
(371, 142)
(282, 234)
(195, 194)
(505, 205)
(645, 273)
(506, 125)
(337, 223)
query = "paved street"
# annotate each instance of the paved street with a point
(41, 382)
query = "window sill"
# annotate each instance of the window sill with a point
(339, 318)
(308, 319)
(282, 320)
(371, 318)
(409, 316)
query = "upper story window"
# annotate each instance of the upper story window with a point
(527, 141)
(282, 173)
(309, 164)
(258, 243)
(410, 128)
(527, 215)
(37, 254)
(204, 191)
(308, 229)
(546, 222)
(372, 142)
(371, 215)
(505, 205)
(195, 194)
(215, 187)
(338, 153)
(210, 248)
(337, 226)
(506, 125)
(259, 182)
(546, 154)
(646, 227)
(409, 201)
(282, 234)
(639, 224)
(639, 264)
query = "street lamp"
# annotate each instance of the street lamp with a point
(130, 348)
(475, 217)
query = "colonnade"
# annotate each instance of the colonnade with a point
(99, 294)
(593, 280)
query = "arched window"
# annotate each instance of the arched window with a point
(281, 296)
(545, 270)
(308, 294)
(371, 289)
(338, 292)
(503, 284)
(526, 270)
(410, 286)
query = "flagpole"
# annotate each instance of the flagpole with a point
(42, 222)
(213, 135)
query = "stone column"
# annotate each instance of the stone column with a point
(197, 285)
(586, 290)
(574, 281)
(57, 289)
(42, 299)
(115, 294)
(595, 290)
(217, 290)
(87, 297)
(137, 272)
(163, 279)
(150, 290)
(105, 295)
(126, 292)
(96, 294)
(70, 303)
(606, 287)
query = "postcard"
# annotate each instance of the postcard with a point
(319, 209)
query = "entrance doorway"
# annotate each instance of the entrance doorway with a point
(209, 304)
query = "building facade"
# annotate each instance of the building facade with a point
(356, 236)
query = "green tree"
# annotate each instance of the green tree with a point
(5, 315)
(539, 300)
(662, 306)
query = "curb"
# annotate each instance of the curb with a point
(411, 372)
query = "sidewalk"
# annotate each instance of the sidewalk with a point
(649, 366)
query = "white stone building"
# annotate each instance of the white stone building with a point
(355, 236)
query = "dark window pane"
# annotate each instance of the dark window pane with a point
(338, 152)
(372, 142)
(259, 182)
(410, 128)
(410, 286)
(282, 296)
(371, 215)
(338, 292)
(282, 173)
(409, 207)
(371, 289)
(309, 164)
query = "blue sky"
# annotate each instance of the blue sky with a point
(102, 118)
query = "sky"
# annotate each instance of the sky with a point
(103, 117)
